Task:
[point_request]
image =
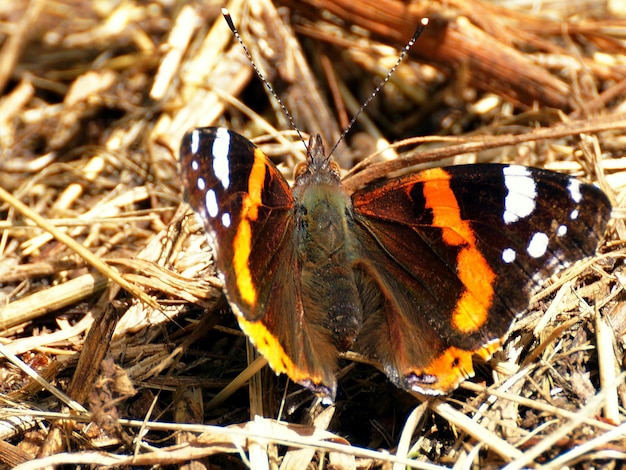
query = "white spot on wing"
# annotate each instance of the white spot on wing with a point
(574, 214)
(195, 165)
(508, 255)
(561, 230)
(521, 193)
(226, 219)
(574, 190)
(195, 142)
(221, 153)
(201, 184)
(210, 200)
(538, 245)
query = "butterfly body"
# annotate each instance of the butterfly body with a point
(326, 248)
(418, 273)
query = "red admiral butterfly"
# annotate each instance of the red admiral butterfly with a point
(417, 273)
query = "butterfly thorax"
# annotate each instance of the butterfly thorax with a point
(326, 247)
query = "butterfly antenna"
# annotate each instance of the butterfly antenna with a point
(231, 25)
(418, 31)
(409, 44)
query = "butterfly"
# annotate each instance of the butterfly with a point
(417, 273)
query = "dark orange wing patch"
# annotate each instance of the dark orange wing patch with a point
(477, 276)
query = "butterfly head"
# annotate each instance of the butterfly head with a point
(318, 168)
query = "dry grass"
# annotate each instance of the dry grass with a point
(115, 338)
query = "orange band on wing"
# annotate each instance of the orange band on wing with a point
(245, 284)
(472, 309)
(242, 242)
(255, 185)
(272, 350)
(455, 365)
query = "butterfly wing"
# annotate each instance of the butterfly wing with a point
(247, 209)
(452, 255)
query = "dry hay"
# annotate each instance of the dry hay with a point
(95, 98)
